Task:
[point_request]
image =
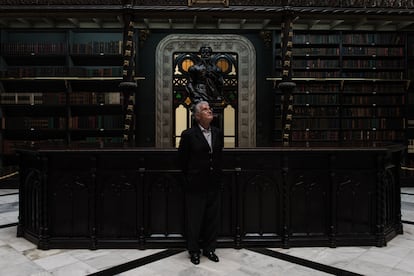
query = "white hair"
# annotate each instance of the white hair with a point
(197, 106)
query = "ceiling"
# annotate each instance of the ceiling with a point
(209, 19)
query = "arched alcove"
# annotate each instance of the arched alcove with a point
(219, 43)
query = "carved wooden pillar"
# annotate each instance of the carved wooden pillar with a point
(287, 86)
(128, 85)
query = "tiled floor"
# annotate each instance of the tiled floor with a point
(20, 257)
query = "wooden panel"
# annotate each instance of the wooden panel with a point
(70, 192)
(355, 198)
(261, 199)
(117, 203)
(165, 205)
(309, 203)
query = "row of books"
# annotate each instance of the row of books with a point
(373, 100)
(48, 71)
(390, 114)
(316, 63)
(395, 111)
(364, 63)
(318, 87)
(351, 38)
(84, 122)
(374, 38)
(371, 112)
(297, 51)
(328, 64)
(59, 98)
(309, 135)
(347, 51)
(379, 123)
(32, 98)
(361, 123)
(378, 135)
(34, 48)
(97, 122)
(373, 87)
(315, 74)
(349, 135)
(305, 135)
(358, 112)
(372, 74)
(316, 38)
(315, 123)
(374, 51)
(32, 123)
(95, 98)
(98, 47)
(352, 90)
(316, 111)
(315, 99)
(60, 48)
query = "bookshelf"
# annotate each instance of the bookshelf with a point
(60, 87)
(316, 112)
(351, 88)
(316, 55)
(374, 96)
(373, 111)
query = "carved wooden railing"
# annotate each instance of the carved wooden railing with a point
(282, 197)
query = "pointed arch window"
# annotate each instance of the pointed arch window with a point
(226, 114)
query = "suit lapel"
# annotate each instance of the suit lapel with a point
(201, 137)
(213, 137)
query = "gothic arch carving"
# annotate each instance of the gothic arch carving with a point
(220, 43)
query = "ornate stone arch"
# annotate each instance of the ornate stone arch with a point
(220, 43)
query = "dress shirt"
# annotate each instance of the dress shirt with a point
(207, 135)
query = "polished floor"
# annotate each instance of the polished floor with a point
(20, 257)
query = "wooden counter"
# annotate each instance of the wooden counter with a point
(271, 197)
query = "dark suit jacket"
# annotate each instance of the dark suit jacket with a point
(201, 167)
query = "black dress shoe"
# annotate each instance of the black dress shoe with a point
(211, 256)
(195, 258)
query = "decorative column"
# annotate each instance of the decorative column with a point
(287, 86)
(128, 85)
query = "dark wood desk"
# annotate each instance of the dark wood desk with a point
(271, 197)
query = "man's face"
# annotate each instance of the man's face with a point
(205, 115)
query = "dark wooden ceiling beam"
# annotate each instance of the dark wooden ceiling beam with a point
(180, 11)
(210, 17)
(98, 22)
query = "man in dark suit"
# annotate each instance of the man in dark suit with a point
(200, 152)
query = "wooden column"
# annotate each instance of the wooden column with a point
(128, 85)
(287, 86)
